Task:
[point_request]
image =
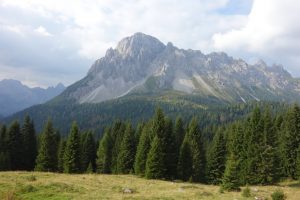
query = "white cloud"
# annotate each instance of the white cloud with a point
(42, 31)
(98, 25)
(271, 32)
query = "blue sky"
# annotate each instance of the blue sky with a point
(50, 41)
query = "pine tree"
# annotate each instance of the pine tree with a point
(47, 154)
(88, 152)
(291, 140)
(3, 139)
(216, 158)
(171, 151)
(197, 150)
(230, 181)
(29, 144)
(179, 132)
(14, 145)
(184, 167)
(72, 151)
(90, 168)
(127, 151)
(142, 150)
(104, 153)
(117, 133)
(4, 161)
(255, 148)
(267, 168)
(60, 156)
(4, 154)
(156, 166)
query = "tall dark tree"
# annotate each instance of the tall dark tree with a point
(127, 151)
(171, 151)
(142, 150)
(230, 181)
(179, 132)
(47, 154)
(197, 151)
(72, 151)
(14, 146)
(184, 167)
(104, 153)
(255, 147)
(117, 133)
(88, 155)
(268, 167)
(3, 139)
(216, 158)
(291, 140)
(60, 155)
(156, 166)
(29, 144)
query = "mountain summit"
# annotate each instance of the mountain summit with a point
(141, 64)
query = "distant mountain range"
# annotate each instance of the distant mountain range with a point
(141, 64)
(14, 96)
(142, 73)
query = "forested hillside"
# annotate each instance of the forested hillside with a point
(262, 148)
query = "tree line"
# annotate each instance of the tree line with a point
(263, 148)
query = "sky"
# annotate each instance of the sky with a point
(46, 42)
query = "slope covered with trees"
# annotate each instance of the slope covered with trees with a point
(261, 148)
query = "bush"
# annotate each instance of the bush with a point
(278, 195)
(246, 192)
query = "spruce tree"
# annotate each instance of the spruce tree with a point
(4, 161)
(156, 164)
(179, 132)
(142, 150)
(29, 144)
(216, 158)
(127, 151)
(171, 151)
(230, 181)
(88, 154)
(255, 147)
(47, 154)
(291, 140)
(268, 167)
(117, 133)
(15, 146)
(72, 151)
(60, 155)
(184, 167)
(3, 139)
(104, 153)
(197, 150)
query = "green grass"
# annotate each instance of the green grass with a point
(35, 185)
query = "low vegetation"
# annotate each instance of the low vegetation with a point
(54, 186)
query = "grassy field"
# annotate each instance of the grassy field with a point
(34, 185)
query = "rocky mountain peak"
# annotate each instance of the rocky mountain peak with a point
(138, 44)
(142, 64)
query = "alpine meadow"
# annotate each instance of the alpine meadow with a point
(149, 119)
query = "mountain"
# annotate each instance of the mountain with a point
(142, 73)
(14, 96)
(141, 64)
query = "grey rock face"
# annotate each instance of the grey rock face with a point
(141, 63)
(14, 96)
